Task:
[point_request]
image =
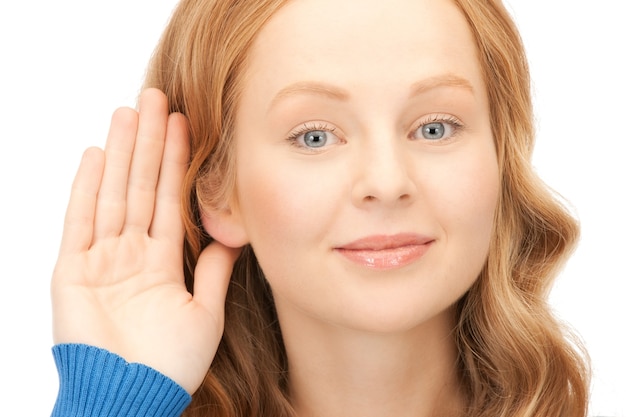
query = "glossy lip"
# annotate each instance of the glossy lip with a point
(386, 251)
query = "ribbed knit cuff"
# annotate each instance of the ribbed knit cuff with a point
(95, 382)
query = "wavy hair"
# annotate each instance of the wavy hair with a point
(515, 358)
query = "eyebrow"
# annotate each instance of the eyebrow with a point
(340, 94)
(313, 88)
(446, 80)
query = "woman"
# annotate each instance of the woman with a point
(367, 165)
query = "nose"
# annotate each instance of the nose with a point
(383, 175)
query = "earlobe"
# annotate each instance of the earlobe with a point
(225, 226)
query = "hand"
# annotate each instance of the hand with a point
(118, 282)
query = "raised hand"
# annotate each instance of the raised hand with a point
(118, 282)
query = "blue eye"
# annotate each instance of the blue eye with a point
(438, 129)
(315, 138)
(433, 131)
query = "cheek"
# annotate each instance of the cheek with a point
(465, 199)
(286, 213)
(282, 204)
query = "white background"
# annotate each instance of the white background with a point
(65, 65)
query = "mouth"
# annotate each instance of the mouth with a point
(386, 251)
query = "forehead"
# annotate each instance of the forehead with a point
(357, 43)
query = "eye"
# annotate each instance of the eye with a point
(435, 130)
(438, 129)
(313, 137)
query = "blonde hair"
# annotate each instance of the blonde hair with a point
(515, 359)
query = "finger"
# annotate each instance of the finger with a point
(167, 221)
(212, 274)
(146, 160)
(111, 204)
(81, 209)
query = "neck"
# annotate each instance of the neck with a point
(337, 371)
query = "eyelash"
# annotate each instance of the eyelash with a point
(437, 118)
(293, 137)
(440, 118)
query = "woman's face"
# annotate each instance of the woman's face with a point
(367, 176)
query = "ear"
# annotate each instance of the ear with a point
(225, 226)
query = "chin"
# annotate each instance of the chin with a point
(396, 319)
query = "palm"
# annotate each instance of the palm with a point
(118, 282)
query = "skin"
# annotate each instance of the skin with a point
(360, 337)
(118, 282)
(361, 340)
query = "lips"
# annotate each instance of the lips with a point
(386, 251)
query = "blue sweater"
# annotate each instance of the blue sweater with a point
(97, 383)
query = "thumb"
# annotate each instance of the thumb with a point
(212, 274)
